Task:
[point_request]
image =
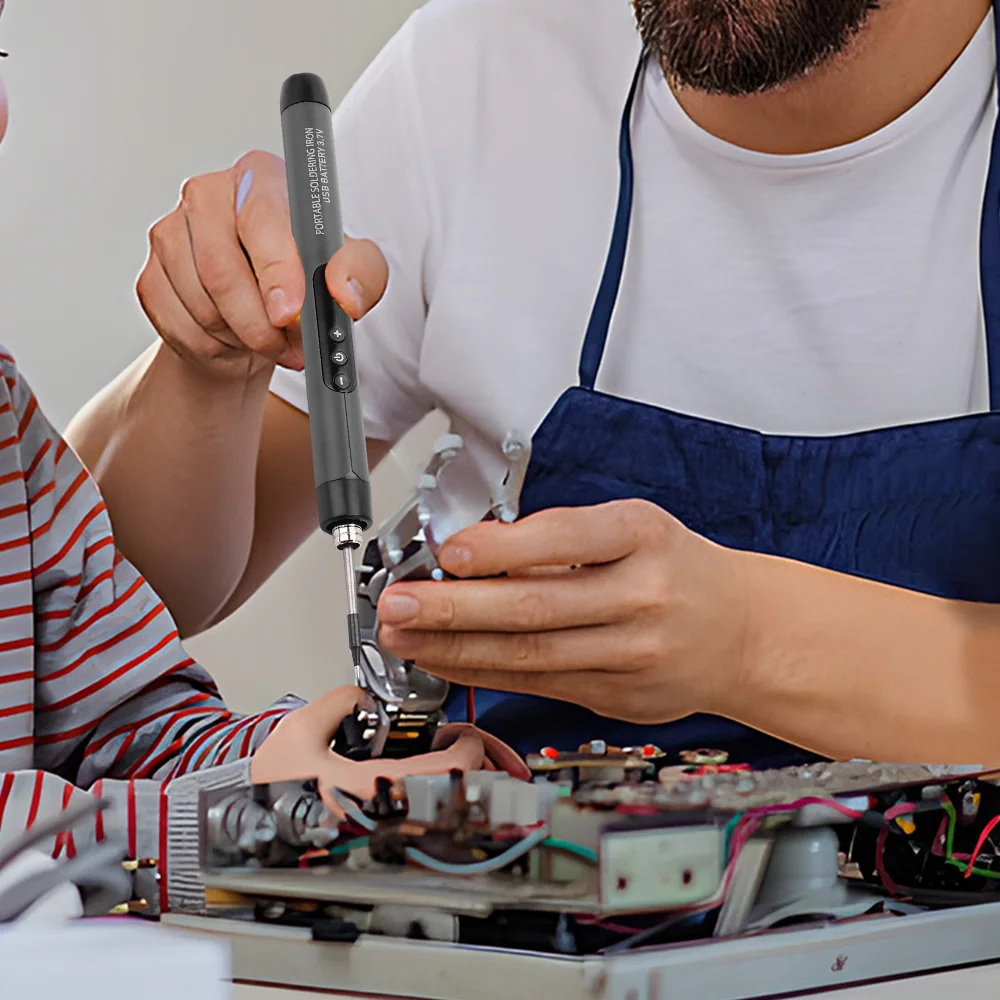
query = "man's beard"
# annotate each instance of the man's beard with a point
(740, 47)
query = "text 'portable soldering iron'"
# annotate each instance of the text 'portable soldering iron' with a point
(340, 463)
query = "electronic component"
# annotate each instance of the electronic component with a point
(499, 799)
(659, 868)
(572, 863)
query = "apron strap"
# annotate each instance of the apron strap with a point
(990, 252)
(607, 294)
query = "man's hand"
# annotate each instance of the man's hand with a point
(223, 283)
(648, 626)
(299, 748)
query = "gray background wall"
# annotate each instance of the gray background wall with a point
(113, 104)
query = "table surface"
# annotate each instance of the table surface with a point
(983, 982)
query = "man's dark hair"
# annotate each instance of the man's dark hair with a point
(740, 47)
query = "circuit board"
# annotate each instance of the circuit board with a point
(736, 791)
(601, 849)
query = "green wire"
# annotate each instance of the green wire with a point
(564, 845)
(950, 842)
(351, 845)
(727, 835)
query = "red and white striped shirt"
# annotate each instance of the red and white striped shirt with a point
(96, 692)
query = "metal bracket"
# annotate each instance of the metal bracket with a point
(407, 701)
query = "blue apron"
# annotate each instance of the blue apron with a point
(915, 506)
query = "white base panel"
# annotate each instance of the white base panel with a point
(774, 964)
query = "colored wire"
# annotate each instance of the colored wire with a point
(741, 827)
(351, 845)
(470, 705)
(983, 837)
(564, 845)
(509, 856)
(727, 834)
(610, 925)
(351, 810)
(950, 842)
(641, 937)
(333, 852)
(811, 800)
(900, 809)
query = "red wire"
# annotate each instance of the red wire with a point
(810, 800)
(901, 809)
(979, 843)
(890, 886)
(470, 705)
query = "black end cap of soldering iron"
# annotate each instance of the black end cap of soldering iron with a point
(344, 501)
(303, 88)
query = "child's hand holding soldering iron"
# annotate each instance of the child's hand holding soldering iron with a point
(299, 748)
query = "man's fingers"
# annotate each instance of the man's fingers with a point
(357, 276)
(264, 228)
(173, 319)
(588, 683)
(603, 646)
(562, 536)
(537, 603)
(222, 265)
(170, 243)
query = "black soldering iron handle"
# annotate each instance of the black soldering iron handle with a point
(340, 464)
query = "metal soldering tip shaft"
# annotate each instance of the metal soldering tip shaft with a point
(353, 625)
(348, 538)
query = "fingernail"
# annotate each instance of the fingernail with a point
(279, 309)
(396, 609)
(356, 295)
(243, 190)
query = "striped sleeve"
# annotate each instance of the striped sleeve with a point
(111, 702)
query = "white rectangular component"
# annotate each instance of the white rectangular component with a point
(664, 867)
(425, 795)
(505, 800)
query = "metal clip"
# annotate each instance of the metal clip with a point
(408, 700)
(507, 502)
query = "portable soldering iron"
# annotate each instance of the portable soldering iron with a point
(340, 463)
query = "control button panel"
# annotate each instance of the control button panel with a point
(334, 327)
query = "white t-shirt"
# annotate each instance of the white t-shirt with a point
(815, 294)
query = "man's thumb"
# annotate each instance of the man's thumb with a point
(357, 276)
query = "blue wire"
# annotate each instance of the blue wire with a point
(518, 850)
(352, 811)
